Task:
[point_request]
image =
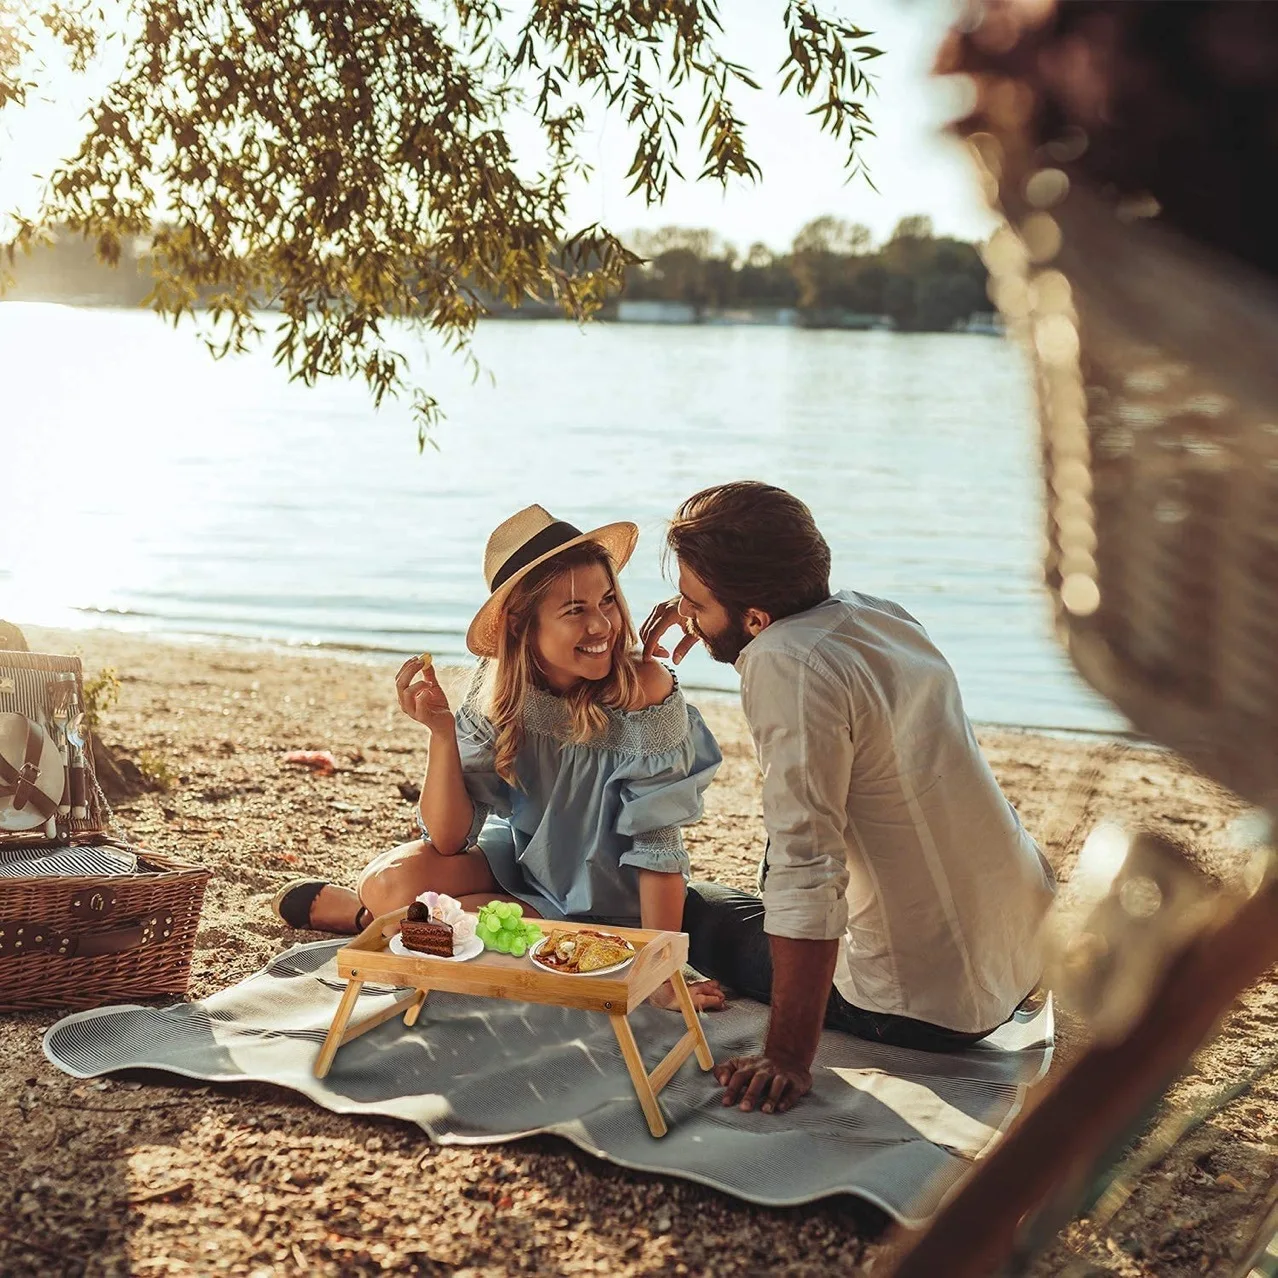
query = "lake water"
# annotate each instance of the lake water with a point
(147, 487)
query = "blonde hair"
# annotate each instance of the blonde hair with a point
(517, 668)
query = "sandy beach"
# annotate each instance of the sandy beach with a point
(141, 1177)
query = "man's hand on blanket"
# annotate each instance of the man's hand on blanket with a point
(707, 996)
(773, 1085)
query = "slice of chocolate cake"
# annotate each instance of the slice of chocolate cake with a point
(430, 938)
(418, 932)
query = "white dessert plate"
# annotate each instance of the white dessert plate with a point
(559, 971)
(467, 950)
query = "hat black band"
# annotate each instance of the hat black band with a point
(552, 535)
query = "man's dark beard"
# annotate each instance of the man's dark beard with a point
(727, 644)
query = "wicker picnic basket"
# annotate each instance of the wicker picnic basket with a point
(80, 939)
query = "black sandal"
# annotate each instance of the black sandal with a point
(292, 905)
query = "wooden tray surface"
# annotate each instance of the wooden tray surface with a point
(495, 975)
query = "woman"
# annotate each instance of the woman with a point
(564, 778)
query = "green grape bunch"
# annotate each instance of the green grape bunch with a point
(502, 927)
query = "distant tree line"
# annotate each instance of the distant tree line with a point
(920, 281)
(832, 273)
(69, 268)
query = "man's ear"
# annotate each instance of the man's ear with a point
(755, 621)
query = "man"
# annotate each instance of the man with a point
(901, 896)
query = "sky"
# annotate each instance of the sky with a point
(915, 168)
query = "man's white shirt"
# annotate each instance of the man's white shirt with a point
(886, 827)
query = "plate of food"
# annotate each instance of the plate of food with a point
(582, 953)
(436, 926)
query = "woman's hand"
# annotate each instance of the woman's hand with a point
(664, 617)
(707, 996)
(423, 702)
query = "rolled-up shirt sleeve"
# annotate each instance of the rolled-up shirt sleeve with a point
(802, 726)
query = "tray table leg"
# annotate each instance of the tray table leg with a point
(333, 1040)
(638, 1075)
(374, 1019)
(415, 1007)
(340, 1032)
(705, 1057)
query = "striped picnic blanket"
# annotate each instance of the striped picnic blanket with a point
(894, 1126)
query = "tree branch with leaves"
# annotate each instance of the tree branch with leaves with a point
(346, 166)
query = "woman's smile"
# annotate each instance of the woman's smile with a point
(579, 625)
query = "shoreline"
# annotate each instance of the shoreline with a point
(182, 1171)
(385, 657)
(672, 313)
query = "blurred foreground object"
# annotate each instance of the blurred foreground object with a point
(1156, 962)
(1132, 149)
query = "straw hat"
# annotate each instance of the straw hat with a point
(518, 545)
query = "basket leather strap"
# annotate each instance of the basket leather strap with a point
(19, 937)
(21, 782)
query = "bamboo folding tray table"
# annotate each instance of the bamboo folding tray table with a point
(659, 957)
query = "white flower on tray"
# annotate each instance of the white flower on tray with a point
(446, 909)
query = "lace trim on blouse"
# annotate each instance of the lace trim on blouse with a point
(665, 844)
(657, 729)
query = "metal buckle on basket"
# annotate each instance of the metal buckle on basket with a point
(93, 903)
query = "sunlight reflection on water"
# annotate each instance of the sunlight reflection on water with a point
(167, 493)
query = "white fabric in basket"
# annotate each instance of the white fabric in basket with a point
(20, 863)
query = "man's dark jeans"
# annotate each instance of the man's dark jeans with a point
(728, 943)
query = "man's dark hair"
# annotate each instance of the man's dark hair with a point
(755, 546)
